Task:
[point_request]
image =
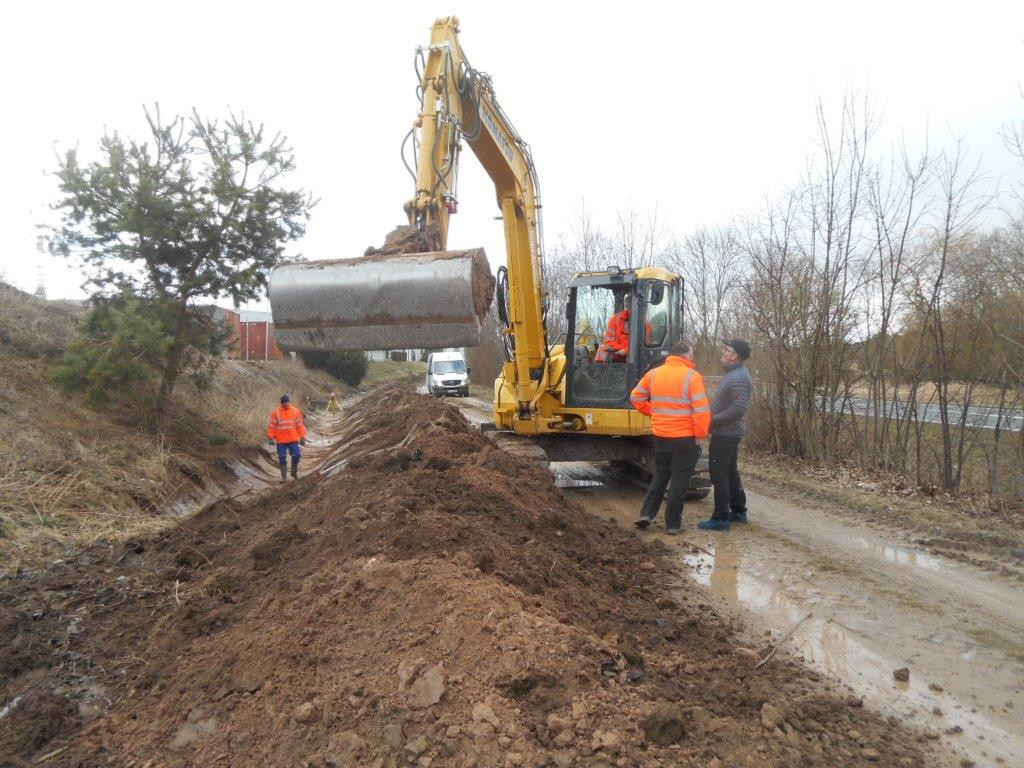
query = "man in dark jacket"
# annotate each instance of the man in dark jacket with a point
(728, 425)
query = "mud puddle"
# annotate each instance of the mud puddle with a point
(847, 653)
(577, 474)
(865, 606)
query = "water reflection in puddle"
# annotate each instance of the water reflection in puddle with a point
(575, 474)
(567, 481)
(902, 556)
(836, 649)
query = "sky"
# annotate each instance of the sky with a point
(698, 110)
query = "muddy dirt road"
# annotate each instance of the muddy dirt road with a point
(874, 604)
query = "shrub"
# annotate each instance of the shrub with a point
(350, 367)
(120, 342)
(124, 348)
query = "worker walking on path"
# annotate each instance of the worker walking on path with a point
(288, 431)
(673, 395)
(728, 426)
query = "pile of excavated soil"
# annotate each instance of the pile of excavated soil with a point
(407, 239)
(429, 600)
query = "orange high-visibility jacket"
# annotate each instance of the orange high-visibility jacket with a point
(616, 339)
(286, 425)
(617, 335)
(673, 396)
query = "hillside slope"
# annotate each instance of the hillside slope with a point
(70, 473)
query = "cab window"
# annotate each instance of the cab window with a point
(657, 301)
(600, 373)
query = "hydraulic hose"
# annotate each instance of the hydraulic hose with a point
(503, 312)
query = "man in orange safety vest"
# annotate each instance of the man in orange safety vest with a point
(287, 430)
(673, 395)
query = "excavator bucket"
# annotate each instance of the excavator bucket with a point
(408, 301)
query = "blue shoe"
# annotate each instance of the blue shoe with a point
(714, 525)
(738, 517)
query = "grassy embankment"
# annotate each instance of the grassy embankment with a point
(380, 371)
(961, 526)
(71, 474)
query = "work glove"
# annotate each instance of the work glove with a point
(270, 440)
(302, 441)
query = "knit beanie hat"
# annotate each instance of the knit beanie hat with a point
(742, 347)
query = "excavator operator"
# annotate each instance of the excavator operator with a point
(615, 348)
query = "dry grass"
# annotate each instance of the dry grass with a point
(71, 475)
(43, 512)
(244, 393)
(886, 500)
(74, 474)
(36, 328)
(483, 391)
(379, 371)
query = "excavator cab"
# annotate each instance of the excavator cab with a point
(602, 367)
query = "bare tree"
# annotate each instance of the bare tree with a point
(897, 199)
(774, 281)
(961, 208)
(638, 241)
(711, 264)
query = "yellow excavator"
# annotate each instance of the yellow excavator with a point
(564, 399)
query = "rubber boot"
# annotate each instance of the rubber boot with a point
(284, 473)
(295, 469)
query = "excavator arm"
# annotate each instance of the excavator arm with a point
(458, 103)
(427, 296)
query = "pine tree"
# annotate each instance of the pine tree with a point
(195, 211)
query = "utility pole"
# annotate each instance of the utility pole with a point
(42, 248)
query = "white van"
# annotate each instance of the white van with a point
(447, 374)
